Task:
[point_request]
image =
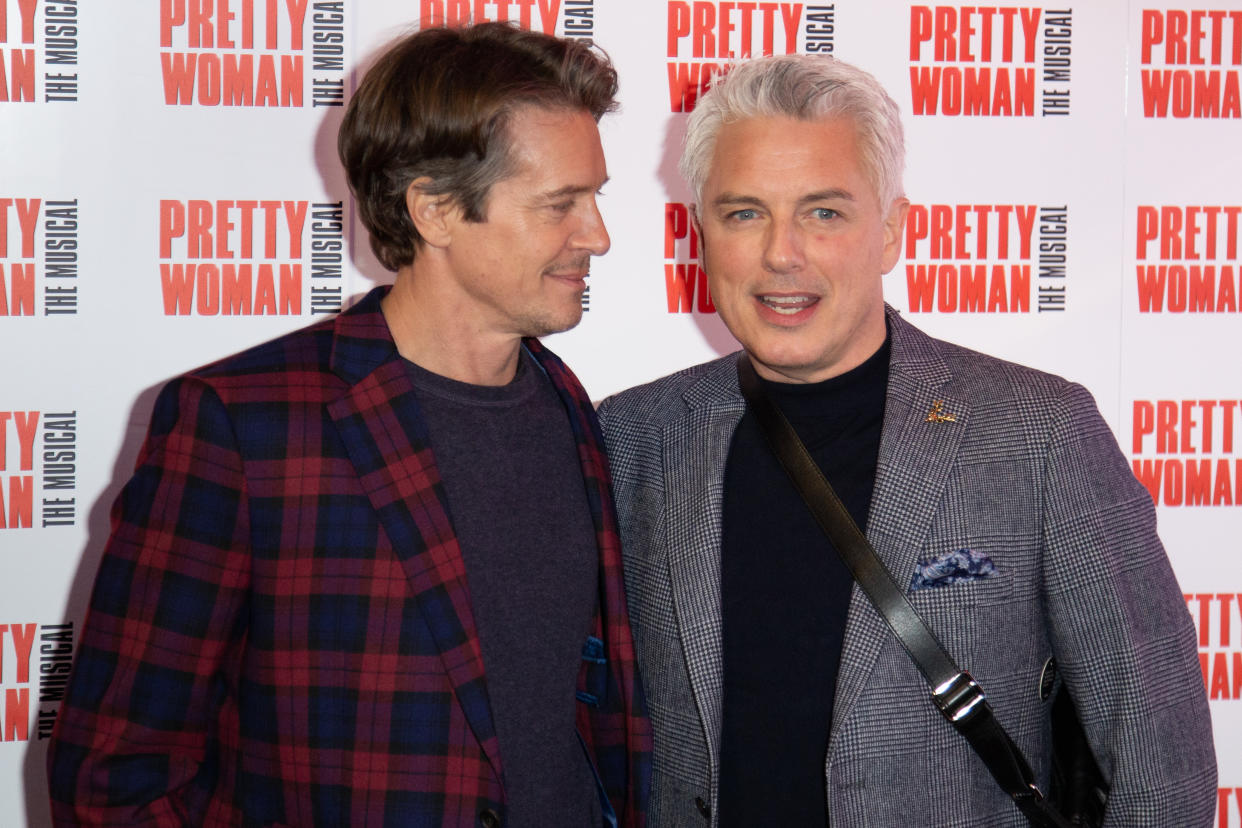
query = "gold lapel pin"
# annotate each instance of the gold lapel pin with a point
(938, 415)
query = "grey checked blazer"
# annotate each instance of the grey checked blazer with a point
(1028, 475)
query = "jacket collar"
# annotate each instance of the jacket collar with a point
(361, 340)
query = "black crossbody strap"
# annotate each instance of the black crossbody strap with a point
(956, 694)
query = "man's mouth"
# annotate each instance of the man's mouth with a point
(571, 271)
(788, 304)
(577, 264)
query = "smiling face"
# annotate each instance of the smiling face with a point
(522, 271)
(795, 244)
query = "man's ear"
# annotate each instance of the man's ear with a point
(432, 213)
(894, 227)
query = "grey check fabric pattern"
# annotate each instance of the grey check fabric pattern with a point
(1027, 474)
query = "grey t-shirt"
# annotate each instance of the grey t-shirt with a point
(509, 464)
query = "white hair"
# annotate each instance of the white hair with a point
(806, 87)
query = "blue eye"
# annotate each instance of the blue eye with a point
(743, 215)
(825, 213)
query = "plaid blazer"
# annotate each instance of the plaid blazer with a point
(1021, 534)
(281, 629)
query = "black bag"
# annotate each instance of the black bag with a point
(1076, 790)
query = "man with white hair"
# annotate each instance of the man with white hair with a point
(994, 495)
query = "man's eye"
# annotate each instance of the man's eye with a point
(563, 206)
(743, 215)
(825, 213)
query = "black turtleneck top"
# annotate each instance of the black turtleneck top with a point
(784, 596)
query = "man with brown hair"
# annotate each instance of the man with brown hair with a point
(368, 573)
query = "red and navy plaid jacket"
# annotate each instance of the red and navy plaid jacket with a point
(281, 631)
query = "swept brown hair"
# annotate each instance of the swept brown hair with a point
(436, 105)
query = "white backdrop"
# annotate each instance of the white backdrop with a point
(169, 193)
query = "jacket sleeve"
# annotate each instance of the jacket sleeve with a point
(1123, 638)
(136, 738)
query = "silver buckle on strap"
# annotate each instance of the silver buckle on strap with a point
(958, 697)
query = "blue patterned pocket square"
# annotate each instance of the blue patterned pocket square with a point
(951, 568)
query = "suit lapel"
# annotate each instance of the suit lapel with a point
(695, 451)
(381, 425)
(916, 460)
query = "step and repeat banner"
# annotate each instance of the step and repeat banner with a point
(169, 194)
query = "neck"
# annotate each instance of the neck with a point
(431, 332)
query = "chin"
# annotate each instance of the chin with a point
(786, 364)
(553, 325)
(782, 357)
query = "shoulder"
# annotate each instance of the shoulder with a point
(1003, 389)
(250, 395)
(669, 397)
(333, 353)
(258, 391)
(305, 349)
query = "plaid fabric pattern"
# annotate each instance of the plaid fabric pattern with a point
(281, 630)
(1029, 477)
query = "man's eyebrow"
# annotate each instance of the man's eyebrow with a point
(740, 200)
(735, 199)
(570, 190)
(831, 194)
